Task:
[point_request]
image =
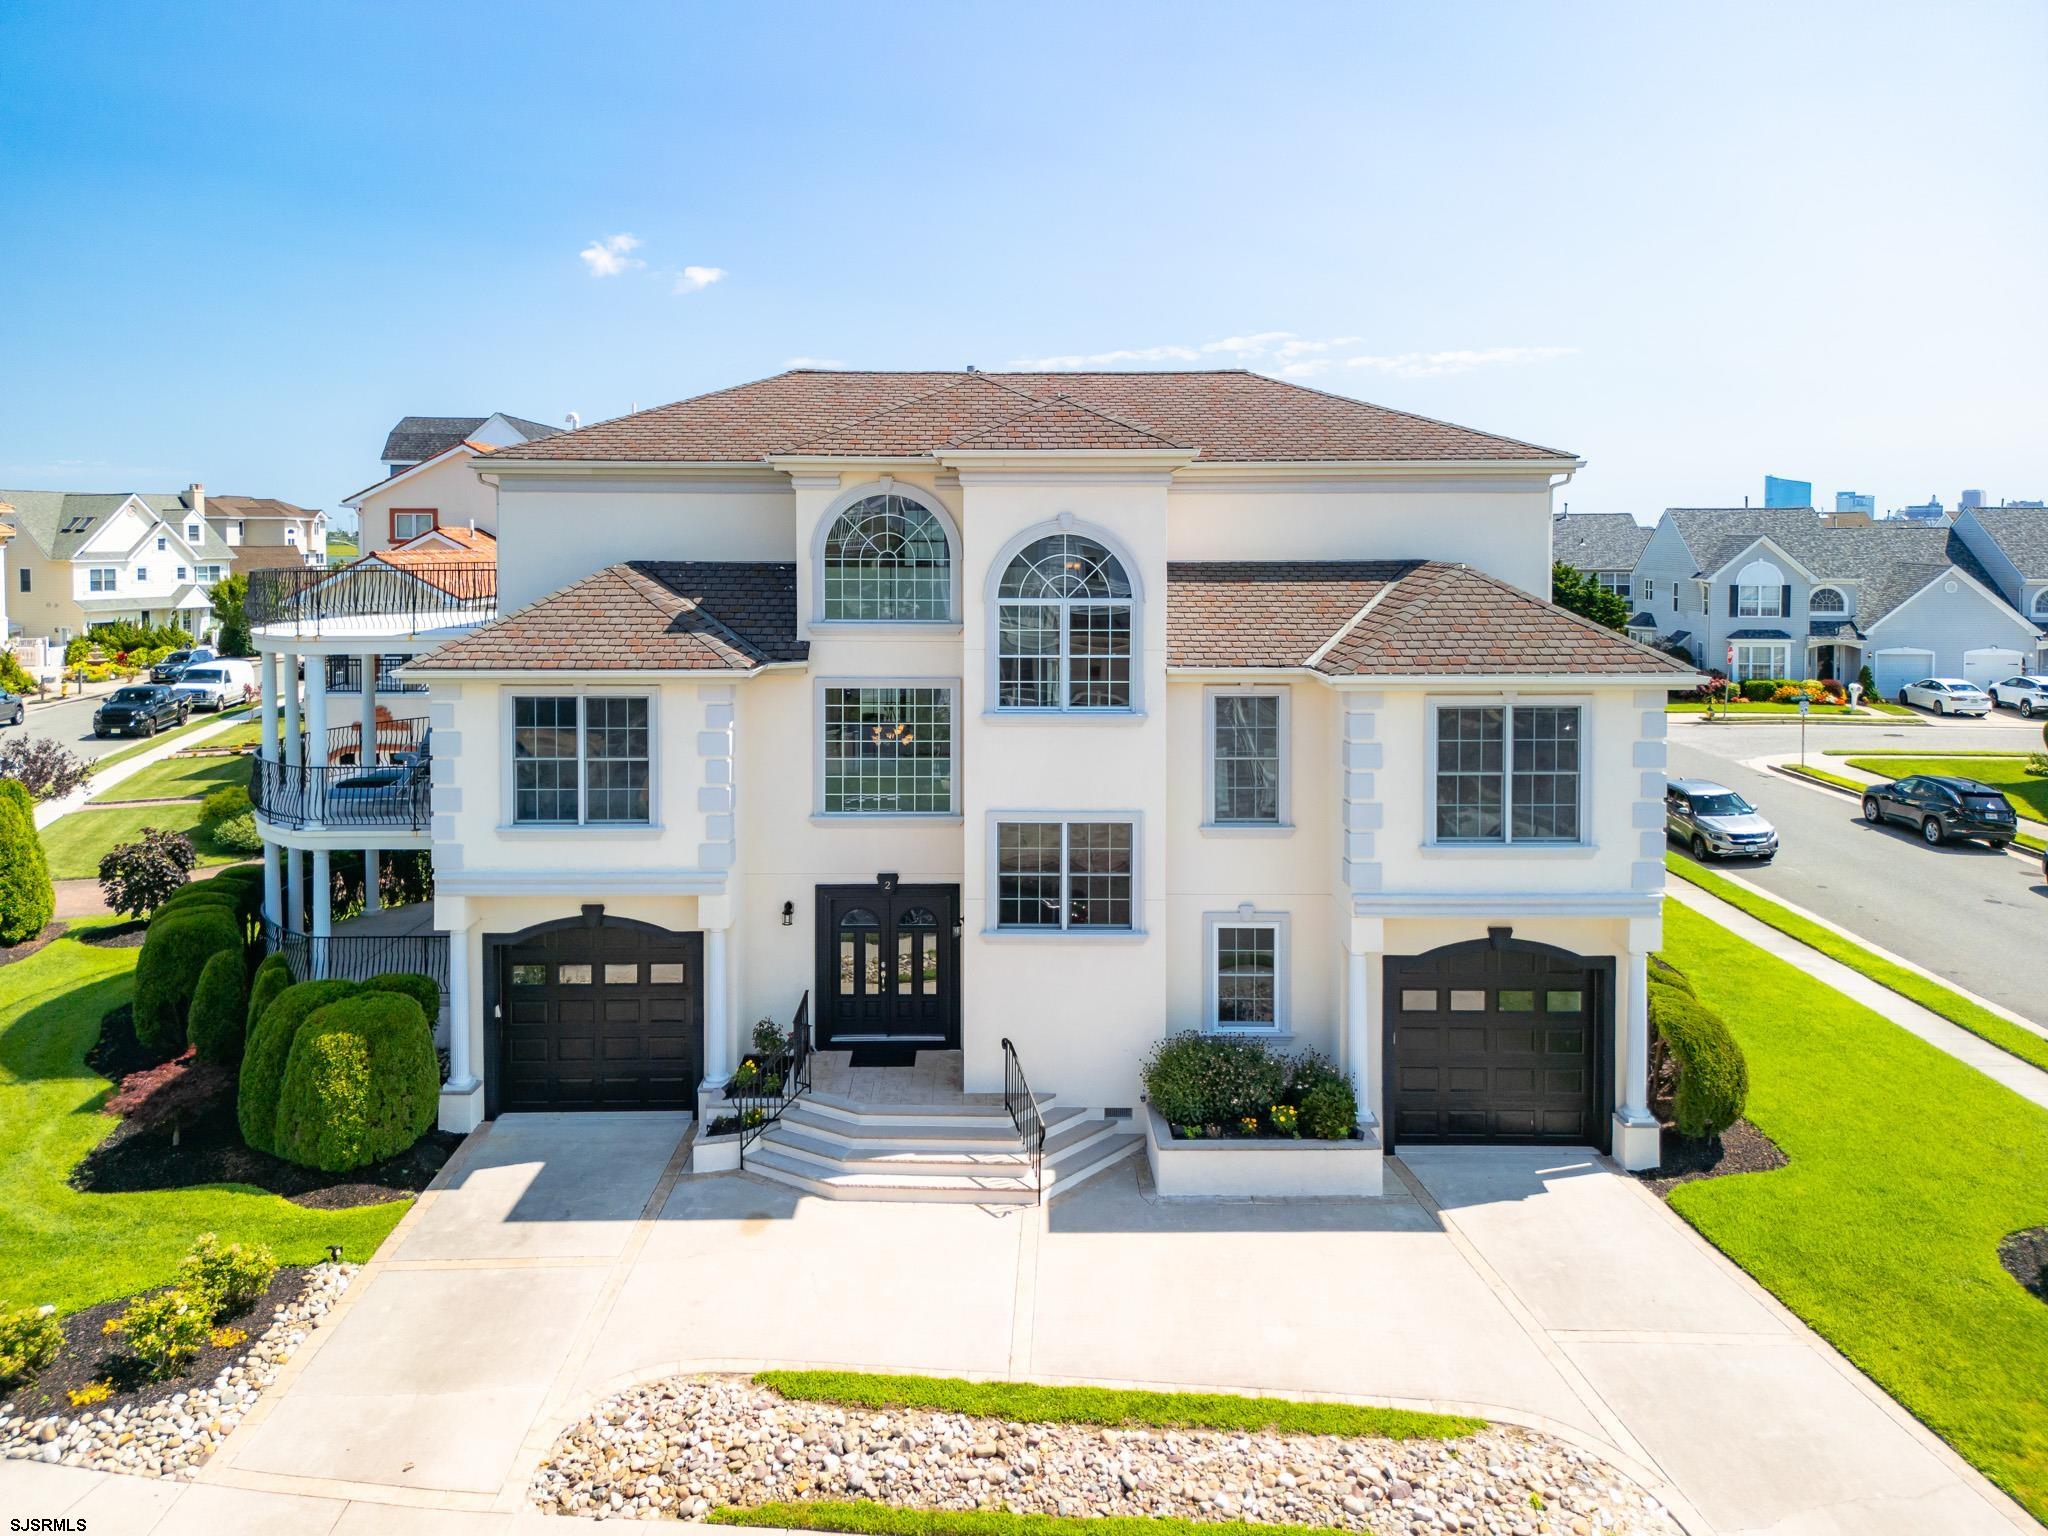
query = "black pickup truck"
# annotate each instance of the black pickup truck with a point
(142, 710)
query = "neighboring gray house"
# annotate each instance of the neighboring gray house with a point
(1771, 592)
(417, 439)
(1606, 545)
(2012, 544)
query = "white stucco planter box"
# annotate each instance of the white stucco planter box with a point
(1276, 1169)
(715, 1154)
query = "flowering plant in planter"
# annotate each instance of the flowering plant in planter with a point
(1221, 1086)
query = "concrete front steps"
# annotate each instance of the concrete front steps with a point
(968, 1154)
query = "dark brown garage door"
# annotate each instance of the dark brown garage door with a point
(1494, 1043)
(601, 1018)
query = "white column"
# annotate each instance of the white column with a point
(323, 909)
(268, 687)
(371, 903)
(273, 886)
(461, 1075)
(1357, 1027)
(717, 1058)
(367, 755)
(1638, 1140)
(295, 892)
(288, 664)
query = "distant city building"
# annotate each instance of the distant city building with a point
(1780, 492)
(1971, 499)
(1854, 501)
(1928, 511)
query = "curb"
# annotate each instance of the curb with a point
(2027, 856)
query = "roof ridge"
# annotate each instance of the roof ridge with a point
(1434, 421)
(1315, 659)
(734, 641)
(1591, 626)
(1063, 398)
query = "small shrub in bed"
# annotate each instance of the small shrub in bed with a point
(268, 1049)
(230, 800)
(232, 1274)
(141, 876)
(220, 1009)
(27, 899)
(166, 1330)
(1195, 1079)
(1712, 1078)
(361, 1083)
(238, 834)
(1329, 1110)
(29, 1340)
(174, 952)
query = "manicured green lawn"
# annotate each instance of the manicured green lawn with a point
(1907, 1167)
(1026, 1402)
(2028, 792)
(1929, 994)
(185, 777)
(75, 843)
(196, 723)
(865, 1516)
(67, 1249)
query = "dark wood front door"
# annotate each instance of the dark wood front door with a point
(610, 1017)
(888, 965)
(1490, 1043)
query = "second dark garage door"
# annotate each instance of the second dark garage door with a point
(1496, 1043)
(610, 1017)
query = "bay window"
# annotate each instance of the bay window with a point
(1065, 875)
(581, 759)
(1507, 773)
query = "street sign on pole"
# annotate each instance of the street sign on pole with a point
(1804, 705)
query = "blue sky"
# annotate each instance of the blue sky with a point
(1691, 244)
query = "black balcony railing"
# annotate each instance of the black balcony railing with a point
(429, 594)
(358, 957)
(387, 795)
(345, 675)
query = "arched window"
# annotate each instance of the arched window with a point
(1063, 627)
(886, 558)
(2041, 604)
(1827, 600)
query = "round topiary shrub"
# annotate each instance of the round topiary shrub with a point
(362, 1083)
(27, 899)
(174, 952)
(273, 975)
(267, 1051)
(220, 1007)
(1712, 1077)
(423, 990)
(1195, 1079)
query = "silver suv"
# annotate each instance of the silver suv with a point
(1715, 822)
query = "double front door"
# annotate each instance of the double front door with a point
(888, 965)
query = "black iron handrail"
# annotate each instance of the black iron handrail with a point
(345, 675)
(390, 795)
(1022, 1104)
(437, 592)
(358, 957)
(344, 742)
(778, 1081)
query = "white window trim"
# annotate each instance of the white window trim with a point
(142, 575)
(1649, 585)
(1284, 822)
(1581, 845)
(1781, 658)
(818, 812)
(1246, 916)
(1616, 582)
(508, 777)
(1840, 612)
(93, 573)
(991, 929)
(2041, 604)
(1776, 594)
(1066, 522)
(829, 519)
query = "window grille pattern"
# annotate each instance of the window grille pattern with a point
(1508, 775)
(615, 746)
(1468, 773)
(1247, 972)
(888, 751)
(1028, 875)
(544, 766)
(1063, 627)
(1064, 875)
(1247, 766)
(1826, 600)
(886, 558)
(1545, 793)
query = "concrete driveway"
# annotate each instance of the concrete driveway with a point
(566, 1257)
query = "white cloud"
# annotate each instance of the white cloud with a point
(611, 255)
(814, 362)
(1104, 359)
(1432, 365)
(691, 279)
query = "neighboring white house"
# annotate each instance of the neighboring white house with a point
(80, 559)
(1031, 717)
(431, 496)
(1772, 592)
(2012, 544)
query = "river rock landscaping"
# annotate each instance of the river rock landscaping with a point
(684, 1446)
(169, 1428)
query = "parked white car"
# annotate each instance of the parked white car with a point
(2023, 693)
(218, 684)
(1946, 696)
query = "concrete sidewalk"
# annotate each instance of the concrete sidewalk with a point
(50, 810)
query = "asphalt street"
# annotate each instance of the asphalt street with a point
(1965, 913)
(70, 722)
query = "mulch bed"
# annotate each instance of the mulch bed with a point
(9, 953)
(117, 1052)
(117, 935)
(2025, 1257)
(1742, 1148)
(90, 1355)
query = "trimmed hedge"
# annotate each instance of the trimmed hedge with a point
(362, 1083)
(1713, 1077)
(273, 974)
(174, 951)
(220, 1007)
(423, 990)
(267, 1051)
(27, 899)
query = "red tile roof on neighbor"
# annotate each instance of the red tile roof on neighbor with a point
(476, 541)
(643, 616)
(1227, 415)
(1384, 618)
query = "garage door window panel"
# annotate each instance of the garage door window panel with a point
(1509, 774)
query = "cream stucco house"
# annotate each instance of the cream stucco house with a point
(430, 495)
(1031, 717)
(80, 559)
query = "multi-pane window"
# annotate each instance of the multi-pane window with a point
(886, 558)
(580, 760)
(1754, 661)
(1827, 600)
(410, 525)
(888, 751)
(99, 578)
(1507, 774)
(1245, 746)
(1052, 874)
(1063, 628)
(1247, 961)
(142, 574)
(1760, 602)
(1614, 581)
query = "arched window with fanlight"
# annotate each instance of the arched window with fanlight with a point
(2041, 604)
(1064, 625)
(1827, 600)
(887, 560)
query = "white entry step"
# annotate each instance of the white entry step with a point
(844, 1151)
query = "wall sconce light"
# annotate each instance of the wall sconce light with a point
(788, 914)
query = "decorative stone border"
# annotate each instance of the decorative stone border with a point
(1266, 1168)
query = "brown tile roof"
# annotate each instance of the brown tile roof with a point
(1409, 618)
(645, 615)
(477, 541)
(267, 557)
(246, 507)
(1062, 425)
(458, 572)
(1227, 415)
